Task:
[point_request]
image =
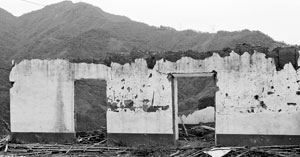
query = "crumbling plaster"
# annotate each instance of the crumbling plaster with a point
(253, 98)
(43, 96)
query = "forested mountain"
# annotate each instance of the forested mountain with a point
(82, 31)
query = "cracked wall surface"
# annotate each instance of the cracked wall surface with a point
(254, 97)
(45, 89)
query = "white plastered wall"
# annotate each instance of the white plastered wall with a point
(42, 98)
(240, 79)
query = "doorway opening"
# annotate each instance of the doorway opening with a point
(194, 100)
(90, 105)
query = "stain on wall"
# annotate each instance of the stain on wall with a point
(60, 121)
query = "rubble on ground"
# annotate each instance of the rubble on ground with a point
(193, 142)
(91, 137)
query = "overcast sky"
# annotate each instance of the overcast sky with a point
(280, 19)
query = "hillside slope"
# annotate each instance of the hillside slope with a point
(82, 31)
(49, 32)
(8, 42)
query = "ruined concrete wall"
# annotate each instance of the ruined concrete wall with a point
(253, 97)
(139, 99)
(42, 97)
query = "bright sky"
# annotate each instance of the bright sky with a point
(277, 18)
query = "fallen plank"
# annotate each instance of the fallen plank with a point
(17, 150)
(280, 146)
(5, 139)
(207, 127)
(185, 130)
(176, 153)
(243, 153)
(34, 153)
(69, 150)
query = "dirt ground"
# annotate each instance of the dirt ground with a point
(193, 142)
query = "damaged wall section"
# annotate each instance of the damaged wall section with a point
(139, 99)
(252, 103)
(42, 101)
(256, 103)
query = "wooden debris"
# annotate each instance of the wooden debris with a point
(191, 151)
(69, 150)
(278, 151)
(196, 153)
(3, 142)
(42, 149)
(91, 136)
(207, 127)
(176, 153)
(94, 144)
(185, 130)
(242, 154)
(5, 139)
(6, 148)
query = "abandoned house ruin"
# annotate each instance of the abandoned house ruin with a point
(256, 102)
